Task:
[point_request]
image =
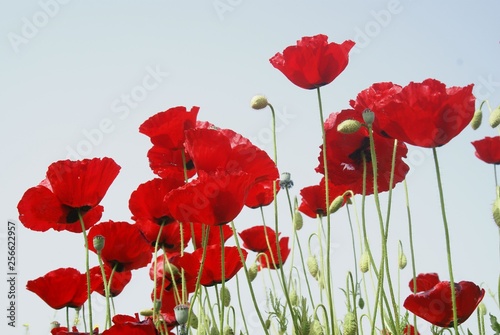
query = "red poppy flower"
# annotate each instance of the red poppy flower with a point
(313, 62)
(314, 198)
(212, 269)
(410, 330)
(255, 239)
(170, 237)
(125, 248)
(428, 114)
(214, 149)
(73, 331)
(64, 287)
(125, 324)
(212, 234)
(211, 199)
(171, 270)
(71, 188)
(168, 163)
(434, 305)
(488, 149)
(424, 282)
(345, 156)
(118, 281)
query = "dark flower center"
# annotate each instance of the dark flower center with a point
(362, 151)
(72, 215)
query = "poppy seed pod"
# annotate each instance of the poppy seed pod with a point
(368, 117)
(181, 313)
(349, 126)
(259, 102)
(495, 117)
(285, 181)
(98, 242)
(476, 119)
(54, 324)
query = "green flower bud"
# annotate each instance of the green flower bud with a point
(349, 126)
(482, 309)
(368, 116)
(361, 303)
(98, 242)
(214, 330)
(495, 117)
(312, 266)
(350, 324)
(253, 270)
(294, 298)
(496, 212)
(225, 296)
(364, 263)
(306, 327)
(336, 204)
(298, 221)
(402, 261)
(259, 102)
(228, 331)
(267, 324)
(146, 312)
(316, 328)
(476, 119)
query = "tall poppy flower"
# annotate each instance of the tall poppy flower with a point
(428, 114)
(169, 266)
(313, 62)
(126, 324)
(118, 281)
(64, 287)
(213, 149)
(71, 189)
(125, 248)
(212, 199)
(488, 149)
(212, 270)
(73, 331)
(314, 197)
(346, 154)
(435, 306)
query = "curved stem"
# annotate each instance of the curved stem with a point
(448, 244)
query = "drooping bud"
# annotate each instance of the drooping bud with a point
(312, 266)
(259, 102)
(298, 220)
(253, 270)
(402, 261)
(350, 324)
(368, 117)
(336, 204)
(146, 312)
(181, 313)
(476, 119)
(482, 309)
(225, 296)
(98, 242)
(496, 212)
(285, 181)
(349, 126)
(495, 117)
(364, 263)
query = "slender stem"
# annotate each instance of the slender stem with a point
(448, 244)
(223, 278)
(87, 267)
(243, 318)
(106, 290)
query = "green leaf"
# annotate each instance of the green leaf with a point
(494, 324)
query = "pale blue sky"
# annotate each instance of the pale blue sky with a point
(112, 64)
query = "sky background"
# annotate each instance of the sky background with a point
(72, 67)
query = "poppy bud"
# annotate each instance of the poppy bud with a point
(361, 303)
(225, 296)
(317, 328)
(181, 313)
(298, 221)
(252, 272)
(364, 263)
(214, 331)
(496, 212)
(146, 312)
(285, 181)
(495, 117)
(476, 119)
(349, 126)
(228, 331)
(402, 260)
(336, 204)
(259, 102)
(294, 298)
(267, 324)
(312, 266)
(368, 117)
(98, 242)
(482, 309)
(305, 327)
(350, 324)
